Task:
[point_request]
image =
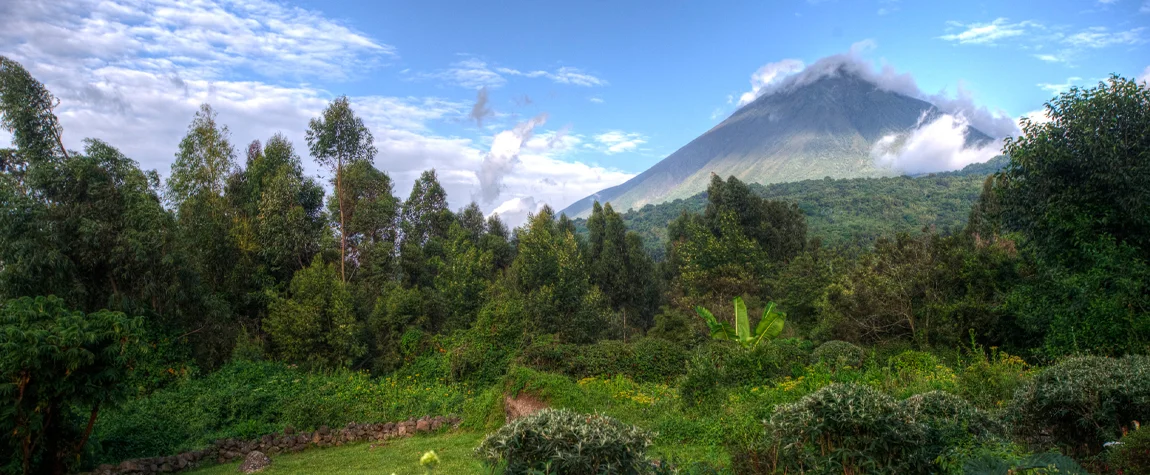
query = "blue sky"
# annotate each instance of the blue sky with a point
(580, 95)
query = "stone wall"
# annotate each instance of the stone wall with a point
(227, 450)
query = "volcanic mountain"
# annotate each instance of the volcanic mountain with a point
(822, 128)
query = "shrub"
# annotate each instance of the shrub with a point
(1082, 402)
(837, 354)
(649, 359)
(950, 417)
(844, 428)
(1132, 456)
(990, 381)
(562, 441)
(719, 365)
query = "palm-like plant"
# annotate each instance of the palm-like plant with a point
(769, 327)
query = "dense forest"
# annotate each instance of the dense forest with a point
(236, 298)
(846, 213)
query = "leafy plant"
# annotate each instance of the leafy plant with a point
(1037, 464)
(1131, 456)
(559, 441)
(1082, 402)
(845, 428)
(838, 354)
(769, 327)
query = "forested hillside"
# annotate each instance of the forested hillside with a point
(237, 303)
(846, 213)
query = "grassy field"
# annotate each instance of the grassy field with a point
(398, 456)
(401, 457)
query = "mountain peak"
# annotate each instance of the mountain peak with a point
(821, 122)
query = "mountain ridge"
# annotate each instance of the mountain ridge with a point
(825, 128)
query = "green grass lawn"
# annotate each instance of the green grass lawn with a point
(399, 456)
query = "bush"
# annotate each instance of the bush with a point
(718, 365)
(1083, 402)
(1132, 456)
(649, 359)
(837, 354)
(562, 441)
(246, 399)
(950, 417)
(844, 428)
(990, 381)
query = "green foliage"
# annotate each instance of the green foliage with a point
(838, 354)
(1085, 223)
(26, 110)
(846, 428)
(1037, 464)
(338, 137)
(990, 380)
(57, 367)
(846, 213)
(553, 279)
(770, 325)
(1082, 402)
(649, 359)
(678, 327)
(1132, 455)
(561, 441)
(249, 399)
(715, 367)
(951, 417)
(620, 267)
(315, 325)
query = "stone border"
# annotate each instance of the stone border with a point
(290, 441)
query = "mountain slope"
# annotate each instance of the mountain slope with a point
(846, 213)
(823, 129)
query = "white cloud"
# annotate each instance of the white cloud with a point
(1052, 58)
(617, 141)
(1145, 76)
(1056, 89)
(474, 73)
(1101, 37)
(133, 73)
(1035, 117)
(988, 33)
(503, 157)
(996, 123)
(564, 75)
(767, 75)
(516, 209)
(597, 100)
(934, 146)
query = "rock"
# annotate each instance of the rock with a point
(254, 462)
(423, 425)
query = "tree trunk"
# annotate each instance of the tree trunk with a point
(88, 430)
(342, 224)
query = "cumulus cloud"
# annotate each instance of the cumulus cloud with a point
(936, 145)
(479, 111)
(995, 123)
(767, 75)
(516, 209)
(133, 73)
(503, 157)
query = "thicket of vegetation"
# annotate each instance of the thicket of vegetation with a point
(234, 299)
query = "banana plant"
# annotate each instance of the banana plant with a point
(769, 327)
